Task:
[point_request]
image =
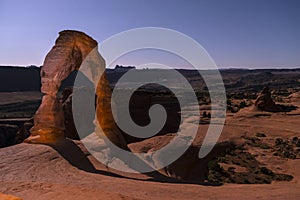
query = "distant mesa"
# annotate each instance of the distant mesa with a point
(32, 67)
(120, 68)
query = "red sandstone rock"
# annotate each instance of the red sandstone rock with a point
(70, 50)
(265, 102)
(8, 197)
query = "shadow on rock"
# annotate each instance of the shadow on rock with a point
(76, 157)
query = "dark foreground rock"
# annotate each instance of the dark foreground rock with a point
(7, 134)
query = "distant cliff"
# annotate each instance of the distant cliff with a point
(19, 79)
(14, 79)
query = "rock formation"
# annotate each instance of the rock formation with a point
(24, 131)
(8, 197)
(265, 102)
(66, 100)
(70, 50)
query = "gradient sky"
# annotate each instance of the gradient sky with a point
(236, 33)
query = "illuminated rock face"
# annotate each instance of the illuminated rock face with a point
(70, 50)
(8, 197)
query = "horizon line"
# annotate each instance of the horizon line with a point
(220, 68)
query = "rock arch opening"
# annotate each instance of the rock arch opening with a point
(66, 56)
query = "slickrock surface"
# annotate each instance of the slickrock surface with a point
(38, 172)
(8, 197)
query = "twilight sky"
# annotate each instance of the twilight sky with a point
(236, 33)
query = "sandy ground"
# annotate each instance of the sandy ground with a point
(41, 172)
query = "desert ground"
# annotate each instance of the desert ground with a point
(257, 156)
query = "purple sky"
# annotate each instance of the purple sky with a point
(236, 33)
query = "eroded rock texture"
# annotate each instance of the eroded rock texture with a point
(265, 102)
(68, 54)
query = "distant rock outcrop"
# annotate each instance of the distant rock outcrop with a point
(265, 102)
(70, 50)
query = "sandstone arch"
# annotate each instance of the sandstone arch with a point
(70, 50)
